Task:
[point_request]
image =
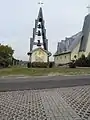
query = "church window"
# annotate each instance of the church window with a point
(75, 56)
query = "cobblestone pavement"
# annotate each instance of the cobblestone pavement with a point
(72, 103)
(79, 100)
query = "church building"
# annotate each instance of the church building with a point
(72, 48)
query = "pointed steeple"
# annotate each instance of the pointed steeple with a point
(40, 15)
(39, 33)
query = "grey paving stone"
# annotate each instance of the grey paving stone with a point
(53, 104)
(79, 99)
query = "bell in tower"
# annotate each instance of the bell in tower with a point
(38, 44)
(40, 19)
(39, 26)
(39, 33)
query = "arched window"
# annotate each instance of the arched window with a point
(75, 56)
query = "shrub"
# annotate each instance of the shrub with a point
(51, 64)
(82, 62)
(60, 65)
(29, 65)
(72, 64)
(39, 64)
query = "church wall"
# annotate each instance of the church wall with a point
(81, 53)
(39, 56)
(88, 46)
(62, 59)
(75, 52)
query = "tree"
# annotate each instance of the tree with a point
(6, 55)
(83, 57)
(6, 51)
(81, 62)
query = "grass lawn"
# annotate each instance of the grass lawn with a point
(43, 71)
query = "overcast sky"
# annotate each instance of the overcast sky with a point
(63, 18)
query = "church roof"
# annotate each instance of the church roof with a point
(66, 46)
(76, 40)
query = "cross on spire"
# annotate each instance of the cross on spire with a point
(88, 7)
(40, 3)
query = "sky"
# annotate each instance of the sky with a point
(63, 18)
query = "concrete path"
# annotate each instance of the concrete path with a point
(43, 82)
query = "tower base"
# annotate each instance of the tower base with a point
(39, 58)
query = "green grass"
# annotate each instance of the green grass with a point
(43, 71)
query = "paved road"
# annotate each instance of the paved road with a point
(43, 82)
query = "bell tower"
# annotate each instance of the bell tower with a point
(39, 40)
(39, 33)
